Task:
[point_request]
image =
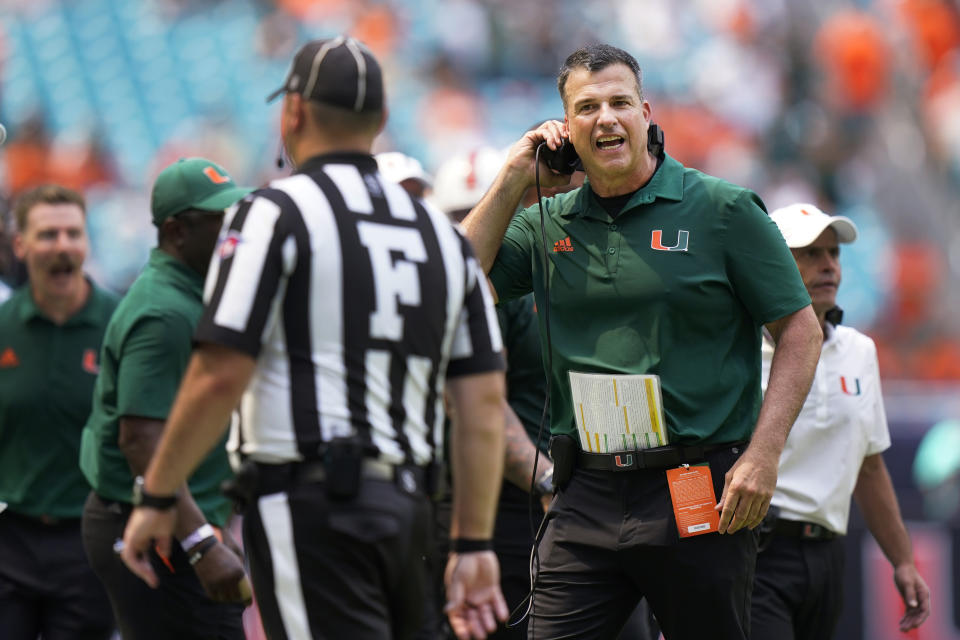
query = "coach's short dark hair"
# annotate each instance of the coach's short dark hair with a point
(45, 194)
(595, 57)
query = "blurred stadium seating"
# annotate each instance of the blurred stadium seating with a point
(847, 108)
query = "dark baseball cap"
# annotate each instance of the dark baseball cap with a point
(337, 71)
(193, 183)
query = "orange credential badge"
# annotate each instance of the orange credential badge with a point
(691, 491)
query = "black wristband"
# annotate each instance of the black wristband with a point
(200, 550)
(469, 545)
(143, 499)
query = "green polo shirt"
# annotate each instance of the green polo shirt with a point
(526, 384)
(678, 285)
(47, 374)
(145, 353)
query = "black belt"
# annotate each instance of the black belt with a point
(803, 530)
(41, 520)
(274, 478)
(655, 458)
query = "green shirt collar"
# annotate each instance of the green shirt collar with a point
(666, 183)
(177, 270)
(90, 314)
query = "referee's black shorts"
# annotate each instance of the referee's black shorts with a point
(352, 569)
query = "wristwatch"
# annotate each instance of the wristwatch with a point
(143, 499)
(544, 484)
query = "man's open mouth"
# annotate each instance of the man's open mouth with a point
(609, 142)
(62, 269)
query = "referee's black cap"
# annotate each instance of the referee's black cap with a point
(337, 71)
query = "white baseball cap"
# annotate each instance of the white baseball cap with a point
(463, 179)
(397, 167)
(801, 224)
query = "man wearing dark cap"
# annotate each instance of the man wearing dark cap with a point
(339, 312)
(145, 351)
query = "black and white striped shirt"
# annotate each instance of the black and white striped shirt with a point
(357, 301)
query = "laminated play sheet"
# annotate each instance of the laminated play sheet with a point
(618, 412)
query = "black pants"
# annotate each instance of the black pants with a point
(46, 586)
(798, 593)
(435, 625)
(611, 539)
(353, 569)
(512, 542)
(178, 608)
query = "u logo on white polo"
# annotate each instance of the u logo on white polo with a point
(850, 388)
(683, 241)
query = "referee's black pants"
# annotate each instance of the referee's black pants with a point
(179, 608)
(47, 588)
(339, 569)
(798, 593)
(611, 538)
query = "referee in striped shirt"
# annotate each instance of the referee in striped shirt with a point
(338, 313)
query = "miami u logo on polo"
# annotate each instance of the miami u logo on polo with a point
(850, 389)
(683, 241)
(623, 461)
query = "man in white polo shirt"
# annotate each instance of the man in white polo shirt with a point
(833, 451)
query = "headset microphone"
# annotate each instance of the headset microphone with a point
(280, 161)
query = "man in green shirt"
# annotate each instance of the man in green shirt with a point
(660, 270)
(146, 348)
(50, 334)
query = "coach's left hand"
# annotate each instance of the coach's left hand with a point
(747, 490)
(147, 528)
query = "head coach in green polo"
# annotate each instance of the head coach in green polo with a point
(652, 268)
(145, 352)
